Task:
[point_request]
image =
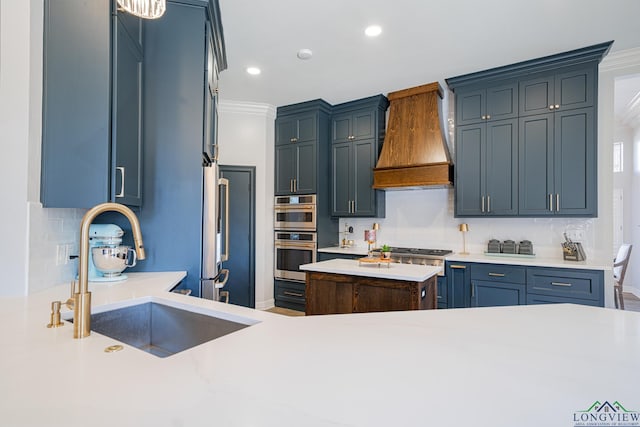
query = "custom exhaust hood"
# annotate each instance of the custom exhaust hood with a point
(415, 153)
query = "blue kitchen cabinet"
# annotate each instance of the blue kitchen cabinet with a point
(490, 284)
(555, 285)
(487, 169)
(175, 135)
(480, 105)
(558, 167)
(302, 132)
(458, 276)
(554, 99)
(357, 134)
(497, 285)
(559, 90)
(92, 105)
(289, 294)
(210, 141)
(492, 294)
(443, 292)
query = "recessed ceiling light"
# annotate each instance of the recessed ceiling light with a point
(305, 54)
(254, 71)
(373, 30)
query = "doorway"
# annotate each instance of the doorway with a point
(242, 219)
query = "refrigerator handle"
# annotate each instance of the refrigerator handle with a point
(225, 182)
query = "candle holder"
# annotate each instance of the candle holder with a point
(464, 228)
(370, 238)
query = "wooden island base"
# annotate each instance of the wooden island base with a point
(329, 293)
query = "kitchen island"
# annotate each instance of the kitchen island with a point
(340, 286)
(503, 366)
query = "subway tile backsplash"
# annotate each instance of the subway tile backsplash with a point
(53, 237)
(424, 219)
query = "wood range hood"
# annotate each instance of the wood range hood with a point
(415, 153)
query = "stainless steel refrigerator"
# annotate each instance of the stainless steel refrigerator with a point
(215, 232)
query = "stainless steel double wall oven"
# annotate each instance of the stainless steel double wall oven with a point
(295, 240)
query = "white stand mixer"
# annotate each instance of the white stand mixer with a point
(107, 257)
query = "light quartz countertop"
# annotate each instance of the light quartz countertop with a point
(502, 366)
(515, 259)
(408, 272)
(349, 250)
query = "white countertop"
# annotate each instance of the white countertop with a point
(502, 366)
(408, 272)
(350, 250)
(588, 264)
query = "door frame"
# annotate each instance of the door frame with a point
(252, 226)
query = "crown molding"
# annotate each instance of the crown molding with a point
(621, 60)
(244, 107)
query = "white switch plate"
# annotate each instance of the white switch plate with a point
(61, 251)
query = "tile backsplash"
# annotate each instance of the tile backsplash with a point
(425, 219)
(54, 235)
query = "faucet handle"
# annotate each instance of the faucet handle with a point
(55, 321)
(69, 302)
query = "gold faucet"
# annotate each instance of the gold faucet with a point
(82, 298)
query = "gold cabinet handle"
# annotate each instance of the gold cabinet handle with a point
(488, 117)
(551, 107)
(482, 208)
(293, 294)
(566, 285)
(488, 203)
(557, 106)
(458, 267)
(484, 117)
(557, 202)
(496, 274)
(551, 202)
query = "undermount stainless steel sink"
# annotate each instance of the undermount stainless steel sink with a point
(161, 329)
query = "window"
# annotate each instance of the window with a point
(618, 157)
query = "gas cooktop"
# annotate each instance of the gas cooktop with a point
(421, 252)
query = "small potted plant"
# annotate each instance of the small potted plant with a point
(385, 250)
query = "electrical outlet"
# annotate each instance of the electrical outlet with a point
(578, 235)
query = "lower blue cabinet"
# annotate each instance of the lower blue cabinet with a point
(491, 294)
(443, 292)
(291, 295)
(489, 285)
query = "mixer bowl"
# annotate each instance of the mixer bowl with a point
(112, 260)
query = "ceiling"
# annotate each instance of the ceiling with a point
(422, 41)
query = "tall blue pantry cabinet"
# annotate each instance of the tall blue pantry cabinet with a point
(184, 50)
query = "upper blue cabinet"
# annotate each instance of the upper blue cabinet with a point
(92, 105)
(357, 134)
(526, 137)
(301, 148)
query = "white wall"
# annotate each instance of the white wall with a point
(246, 137)
(14, 134)
(31, 233)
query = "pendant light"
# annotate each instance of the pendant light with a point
(146, 9)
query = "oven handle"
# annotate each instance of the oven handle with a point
(294, 207)
(312, 246)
